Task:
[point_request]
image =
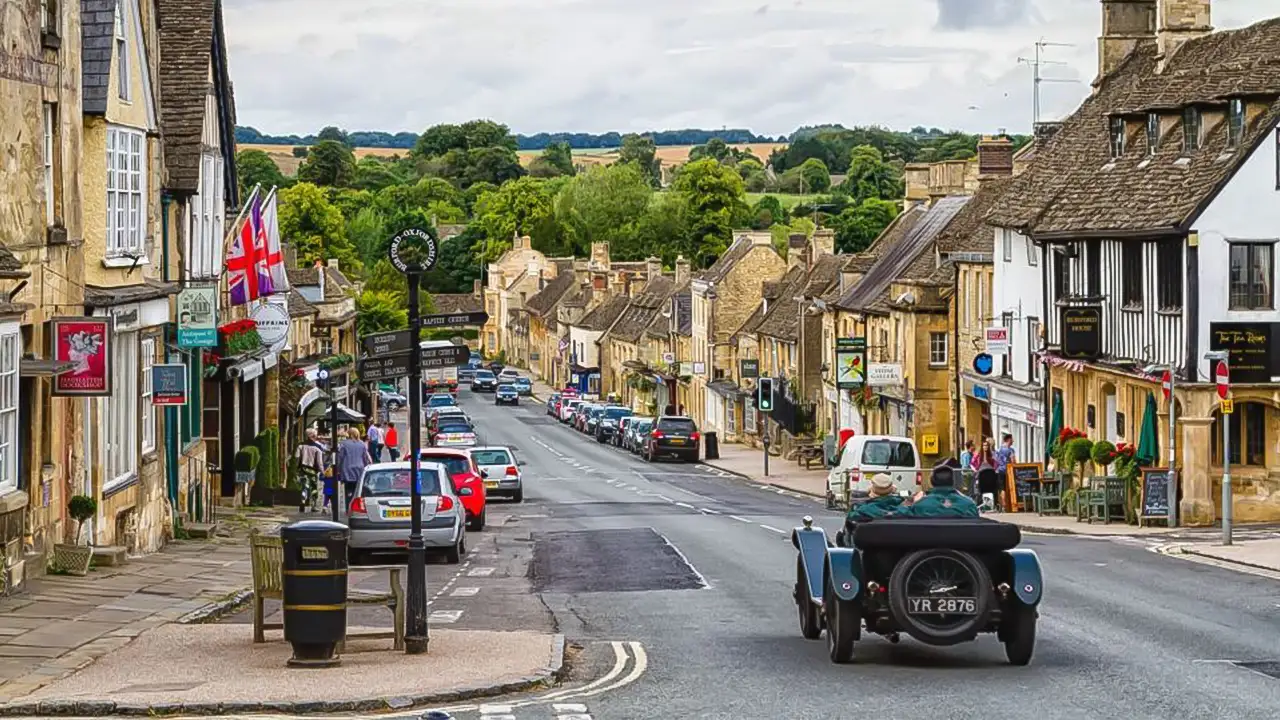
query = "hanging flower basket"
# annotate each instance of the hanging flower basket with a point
(238, 338)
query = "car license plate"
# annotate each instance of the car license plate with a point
(942, 606)
(677, 441)
(491, 484)
(397, 513)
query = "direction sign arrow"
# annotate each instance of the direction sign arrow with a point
(474, 318)
(399, 341)
(446, 356)
(387, 367)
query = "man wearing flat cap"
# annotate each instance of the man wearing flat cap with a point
(943, 500)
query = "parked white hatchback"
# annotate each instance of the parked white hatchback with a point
(501, 472)
(380, 514)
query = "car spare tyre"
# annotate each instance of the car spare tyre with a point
(940, 596)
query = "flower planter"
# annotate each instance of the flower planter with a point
(72, 559)
(244, 477)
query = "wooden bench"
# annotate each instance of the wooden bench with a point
(267, 557)
(806, 453)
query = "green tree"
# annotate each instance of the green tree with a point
(869, 176)
(367, 230)
(521, 206)
(560, 155)
(603, 205)
(767, 212)
(440, 139)
(255, 167)
(458, 264)
(334, 134)
(857, 227)
(379, 312)
(815, 175)
(665, 228)
(716, 202)
(641, 150)
(753, 175)
(315, 227)
(329, 163)
(375, 174)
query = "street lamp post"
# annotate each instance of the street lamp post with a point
(323, 376)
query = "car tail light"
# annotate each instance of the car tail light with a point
(657, 434)
(444, 503)
(919, 478)
(357, 507)
(855, 476)
(511, 471)
(694, 437)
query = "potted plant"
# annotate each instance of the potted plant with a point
(246, 464)
(1103, 453)
(1078, 452)
(74, 559)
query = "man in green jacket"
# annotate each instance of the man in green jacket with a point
(944, 500)
(884, 501)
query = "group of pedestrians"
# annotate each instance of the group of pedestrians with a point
(355, 451)
(988, 465)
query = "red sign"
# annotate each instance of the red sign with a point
(1166, 383)
(88, 343)
(1223, 377)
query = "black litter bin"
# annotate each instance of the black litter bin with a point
(711, 446)
(315, 591)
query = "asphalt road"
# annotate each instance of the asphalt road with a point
(675, 584)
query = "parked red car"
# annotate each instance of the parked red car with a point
(467, 481)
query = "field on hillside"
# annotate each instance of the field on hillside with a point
(670, 155)
(788, 201)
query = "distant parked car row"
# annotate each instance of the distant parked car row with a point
(651, 438)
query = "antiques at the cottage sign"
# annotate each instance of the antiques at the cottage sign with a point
(198, 317)
(1252, 347)
(1081, 333)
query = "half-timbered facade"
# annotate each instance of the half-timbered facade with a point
(1154, 210)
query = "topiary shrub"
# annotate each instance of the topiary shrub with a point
(1078, 452)
(81, 508)
(247, 459)
(1103, 454)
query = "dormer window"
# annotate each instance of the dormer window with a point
(1190, 130)
(1153, 133)
(1117, 137)
(1235, 122)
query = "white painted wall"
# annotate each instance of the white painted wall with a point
(1247, 209)
(583, 342)
(1018, 289)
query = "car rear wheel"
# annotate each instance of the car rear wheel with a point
(844, 624)
(940, 596)
(476, 524)
(810, 615)
(518, 496)
(1018, 631)
(453, 555)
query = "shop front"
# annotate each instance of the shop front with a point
(1018, 412)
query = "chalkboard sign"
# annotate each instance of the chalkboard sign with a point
(1022, 479)
(1155, 493)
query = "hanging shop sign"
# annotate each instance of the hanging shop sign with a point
(198, 317)
(169, 384)
(851, 363)
(88, 343)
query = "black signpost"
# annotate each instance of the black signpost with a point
(399, 341)
(454, 320)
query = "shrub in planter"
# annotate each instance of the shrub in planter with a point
(75, 558)
(246, 464)
(1103, 454)
(268, 446)
(1078, 452)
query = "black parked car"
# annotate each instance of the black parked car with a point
(672, 435)
(607, 425)
(484, 381)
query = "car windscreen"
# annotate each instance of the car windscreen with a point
(451, 427)
(508, 388)
(491, 457)
(437, 400)
(395, 483)
(893, 453)
(484, 375)
(596, 411)
(453, 464)
(615, 413)
(677, 425)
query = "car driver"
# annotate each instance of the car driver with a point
(943, 500)
(885, 501)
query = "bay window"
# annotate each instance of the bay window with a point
(126, 192)
(120, 413)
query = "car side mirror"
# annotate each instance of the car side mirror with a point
(521, 463)
(484, 473)
(464, 491)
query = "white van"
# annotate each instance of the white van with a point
(865, 455)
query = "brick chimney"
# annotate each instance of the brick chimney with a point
(517, 242)
(1180, 21)
(1124, 24)
(824, 242)
(797, 250)
(600, 254)
(653, 268)
(995, 157)
(682, 270)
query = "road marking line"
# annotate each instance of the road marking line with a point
(444, 616)
(708, 511)
(774, 529)
(642, 663)
(480, 572)
(740, 519)
(619, 664)
(574, 716)
(684, 505)
(488, 709)
(705, 585)
(664, 498)
(466, 592)
(569, 707)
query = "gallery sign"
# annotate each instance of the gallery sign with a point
(1081, 333)
(851, 363)
(169, 384)
(88, 343)
(884, 374)
(198, 317)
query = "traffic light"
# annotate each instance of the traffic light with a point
(764, 395)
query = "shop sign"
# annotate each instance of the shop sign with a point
(88, 343)
(851, 363)
(169, 384)
(884, 374)
(198, 317)
(1081, 333)
(983, 364)
(699, 368)
(997, 340)
(273, 324)
(1252, 349)
(749, 368)
(981, 392)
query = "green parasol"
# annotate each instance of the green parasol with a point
(1055, 429)
(1148, 437)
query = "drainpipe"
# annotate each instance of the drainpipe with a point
(958, 439)
(170, 413)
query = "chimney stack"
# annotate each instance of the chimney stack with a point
(682, 270)
(1180, 21)
(1125, 23)
(797, 250)
(653, 268)
(824, 242)
(995, 157)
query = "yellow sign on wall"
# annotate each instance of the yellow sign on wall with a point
(929, 444)
(1227, 406)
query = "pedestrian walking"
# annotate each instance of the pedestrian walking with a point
(374, 438)
(984, 464)
(1005, 454)
(310, 455)
(353, 456)
(966, 455)
(392, 441)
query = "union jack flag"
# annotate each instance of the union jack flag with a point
(247, 276)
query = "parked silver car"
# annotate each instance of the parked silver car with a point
(379, 518)
(636, 429)
(501, 472)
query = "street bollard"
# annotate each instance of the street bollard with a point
(314, 579)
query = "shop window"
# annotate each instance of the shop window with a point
(1093, 274)
(120, 413)
(1091, 417)
(148, 409)
(1248, 427)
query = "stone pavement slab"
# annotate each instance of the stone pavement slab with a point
(1067, 525)
(1260, 554)
(195, 668)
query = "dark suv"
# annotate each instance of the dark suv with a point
(672, 435)
(484, 381)
(607, 424)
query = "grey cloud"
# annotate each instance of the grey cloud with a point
(972, 14)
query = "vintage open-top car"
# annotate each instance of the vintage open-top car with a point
(940, 580)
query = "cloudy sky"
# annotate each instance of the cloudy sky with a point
(635, 65)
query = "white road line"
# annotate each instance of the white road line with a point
(569, 707)
(480, 572)
(774, 529)
(466, 592)
(740, 519)
(444, 616)
(664, 498)
(705, 585)
(684, 505)
(574, 716)
(708, 511)
(492, 709)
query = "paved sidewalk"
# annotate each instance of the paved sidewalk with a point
(748, 462)
(1260, 554)
(61, 623)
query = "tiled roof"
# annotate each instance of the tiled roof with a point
(897, 258)
(725, 263)
(545, 300)
(779, 292)
(969, 231)
(579, 297)
(457, 303)
(783, 320)
(298, 305)
(303, 276)
(186, 46)
(98, 296)
(604, 314)
(97, 36)
(1075, 186)
(639, 314)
